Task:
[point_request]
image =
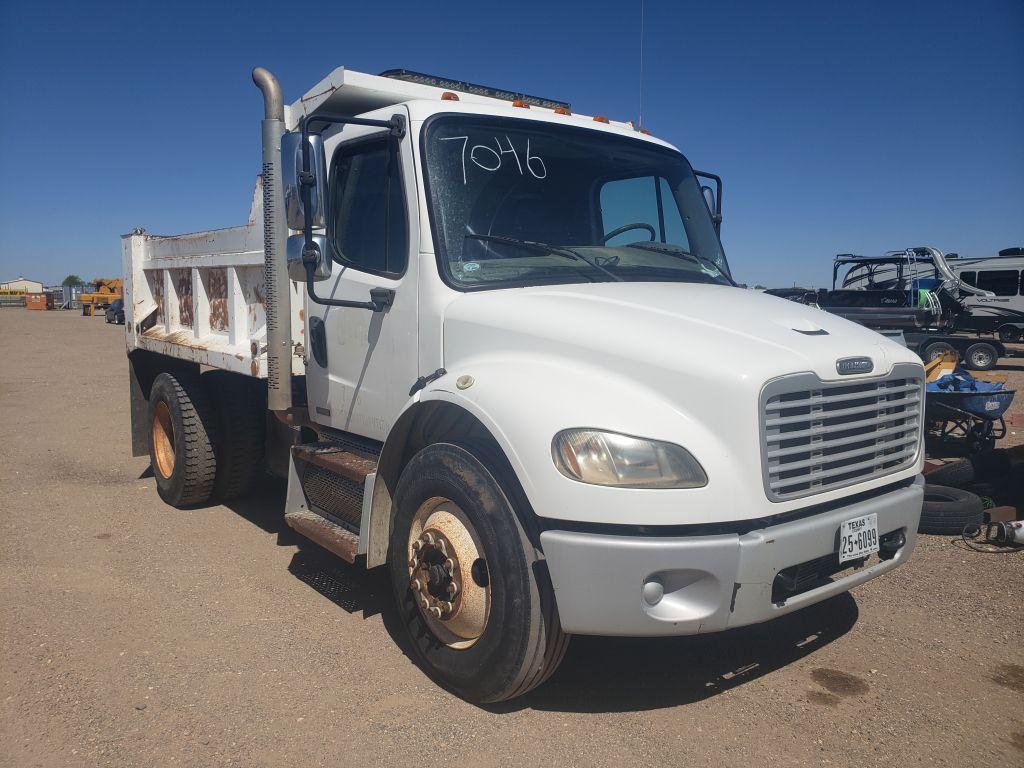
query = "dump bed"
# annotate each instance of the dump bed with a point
(201, 296)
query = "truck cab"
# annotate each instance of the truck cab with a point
(496, 347)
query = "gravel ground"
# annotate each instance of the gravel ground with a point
(134, 634)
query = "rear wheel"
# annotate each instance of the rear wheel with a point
(981, 357)
(1010, 333)
(470, 587)
(182, 435)
(240, 410)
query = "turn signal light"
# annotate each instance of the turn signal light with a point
(449, 96)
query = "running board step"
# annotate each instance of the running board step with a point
(328, 535)
(337, 459)
(328, 481)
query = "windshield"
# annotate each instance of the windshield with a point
(516, 203)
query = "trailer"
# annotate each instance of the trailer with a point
(915, 292)
(481, 337)
(977, 354)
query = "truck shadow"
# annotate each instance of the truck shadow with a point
(598, 674)
(351, 587)
(612, 674)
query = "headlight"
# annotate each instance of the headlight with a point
(608, 458)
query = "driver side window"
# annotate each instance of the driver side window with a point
(640, 201)
(367, 218)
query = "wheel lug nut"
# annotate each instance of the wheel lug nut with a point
(414, 585)
(435, 612)
(449, 565)
(424, 603)
(428, 538)
(453, 589)
(416, 545)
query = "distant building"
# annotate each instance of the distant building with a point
(22, 284)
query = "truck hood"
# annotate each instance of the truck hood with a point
(716, 333)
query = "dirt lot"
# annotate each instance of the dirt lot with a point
(134, 634)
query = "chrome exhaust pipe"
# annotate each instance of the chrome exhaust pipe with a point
(275, 236)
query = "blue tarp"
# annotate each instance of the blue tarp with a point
(961, 381)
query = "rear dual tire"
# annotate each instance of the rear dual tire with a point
(183, 432)
(206, 436)
(520, 643)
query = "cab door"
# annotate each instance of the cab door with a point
(361, 364)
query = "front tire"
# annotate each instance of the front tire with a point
(182, 438)
(455, 524)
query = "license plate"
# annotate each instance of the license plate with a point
(858, 538)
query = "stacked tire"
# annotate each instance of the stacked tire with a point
(948, 511)
(954, 492)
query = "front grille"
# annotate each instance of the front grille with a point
(818, 436)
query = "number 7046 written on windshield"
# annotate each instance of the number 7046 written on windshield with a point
(493, 158)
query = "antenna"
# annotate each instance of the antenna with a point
(640, 119)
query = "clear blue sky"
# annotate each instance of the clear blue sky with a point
(856, 127)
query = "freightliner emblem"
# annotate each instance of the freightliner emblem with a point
(849, 365)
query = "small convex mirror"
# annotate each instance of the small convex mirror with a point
(297, 268)
(291, 168)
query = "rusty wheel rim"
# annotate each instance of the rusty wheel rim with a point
(448, 575)
(163, 439)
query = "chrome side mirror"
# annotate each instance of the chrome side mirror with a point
(297, 268)
(291, 168)
(709, 198)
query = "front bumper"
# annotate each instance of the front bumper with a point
(711, 582)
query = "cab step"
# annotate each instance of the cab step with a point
(326, 489)
(328, 535)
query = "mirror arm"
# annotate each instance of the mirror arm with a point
(716, 215)
(380, 298)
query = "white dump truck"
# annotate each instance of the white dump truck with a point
(495, 346)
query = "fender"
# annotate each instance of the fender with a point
(523, 404)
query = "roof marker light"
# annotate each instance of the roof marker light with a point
(645, 132)
(600, 119)
(520, 103)
(562, 111)
(449, 96)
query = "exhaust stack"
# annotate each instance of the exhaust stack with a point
(275, 234)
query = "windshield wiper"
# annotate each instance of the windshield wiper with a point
(681, 253)
(566, 253)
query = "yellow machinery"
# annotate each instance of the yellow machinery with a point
(106, 293)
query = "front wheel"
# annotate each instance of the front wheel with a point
(471, 588)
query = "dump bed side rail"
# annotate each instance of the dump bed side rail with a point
(201, 297)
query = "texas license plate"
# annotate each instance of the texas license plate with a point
(858, 538)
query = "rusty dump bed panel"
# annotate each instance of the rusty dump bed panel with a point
(201, 297)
